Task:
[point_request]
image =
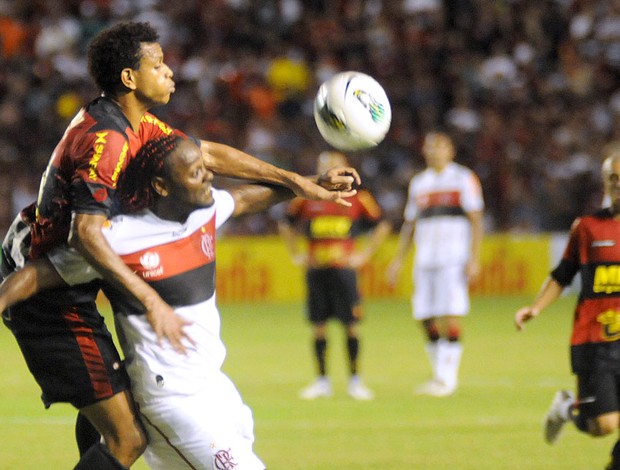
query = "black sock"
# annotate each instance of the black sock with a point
(615, 458)
(85, 434)
(320, 347)
(353, 348)
(98, 457)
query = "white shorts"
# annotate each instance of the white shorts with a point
(440, 292)
(211, 430)
(71, 265)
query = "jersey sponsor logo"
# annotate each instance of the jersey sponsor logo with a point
(151, 264)
(610, 324)
(98, 152)
(603, 243)
(606, 279)
(330, 226)
(224, 460)
(119, 164)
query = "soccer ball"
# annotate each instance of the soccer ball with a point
(352, 111)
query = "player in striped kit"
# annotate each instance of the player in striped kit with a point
(593, 251)
(443, 217)
(331, 261)
(193, 414)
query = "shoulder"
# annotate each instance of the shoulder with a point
(150, 120)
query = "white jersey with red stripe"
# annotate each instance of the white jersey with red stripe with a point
(178, 261)
(193, 413)
(438, 203)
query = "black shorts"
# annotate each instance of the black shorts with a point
(68, 349)
(332, 293)
(598, 393)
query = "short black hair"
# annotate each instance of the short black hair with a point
(117, 48)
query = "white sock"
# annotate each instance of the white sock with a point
(431, 351)
(448, 361)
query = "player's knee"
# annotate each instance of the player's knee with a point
(126, 444)
(454, 333)
(602, 428)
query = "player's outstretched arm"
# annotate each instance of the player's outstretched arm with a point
(227, 161)
(253, 198)
(549, 292)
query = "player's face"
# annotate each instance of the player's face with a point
(153, 79)
(612, 184)
(438, 150)
(189, 185)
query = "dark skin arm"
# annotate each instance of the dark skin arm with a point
(87, 238)
(253, 198)
(228, 161)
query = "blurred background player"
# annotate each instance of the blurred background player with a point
(444, 213)
(331, 261)
(593, 251)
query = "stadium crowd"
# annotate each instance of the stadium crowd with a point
(527, 88)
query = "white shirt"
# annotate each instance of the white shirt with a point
(438, 203)
(178, 260)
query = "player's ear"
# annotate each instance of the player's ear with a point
(160, 186)
(128, 78)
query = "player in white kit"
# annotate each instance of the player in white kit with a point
(443, 218)
(192, 412)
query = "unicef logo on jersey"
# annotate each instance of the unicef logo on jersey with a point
(150, 263)
(207, 244)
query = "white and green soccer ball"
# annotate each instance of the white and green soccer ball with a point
(352, 111)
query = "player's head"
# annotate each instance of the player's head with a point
(168, 169)
(438, 150)
(126, 57)
(330, 159)
(611, 180)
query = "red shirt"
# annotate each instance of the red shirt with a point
(84, 168)
(331, 228)
(593, 250)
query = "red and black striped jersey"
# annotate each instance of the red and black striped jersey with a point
(593, 251)
(331, 229)
(84, 168)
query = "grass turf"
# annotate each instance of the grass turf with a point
(493, 421)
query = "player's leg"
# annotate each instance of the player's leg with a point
(86, 435)
(424, 313)
(207, 430)
(116, 421)
(595, 410)
(346, 306)
(318, 314)
(452, 301)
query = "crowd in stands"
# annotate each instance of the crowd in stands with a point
(527, 88)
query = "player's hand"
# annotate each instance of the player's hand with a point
(335, 185)
(392, 272)
(524, 315)
(472, 270)
(358, 259)
(167, 324)
(339, 179)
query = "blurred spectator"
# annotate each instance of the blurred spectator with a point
(527, 89)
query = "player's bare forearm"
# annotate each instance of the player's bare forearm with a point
(87, 238)
(228, 161)
(34, 277)
(254, 198)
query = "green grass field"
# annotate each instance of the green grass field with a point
(492, 422)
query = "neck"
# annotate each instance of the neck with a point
(175, 213)
(131, 108)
